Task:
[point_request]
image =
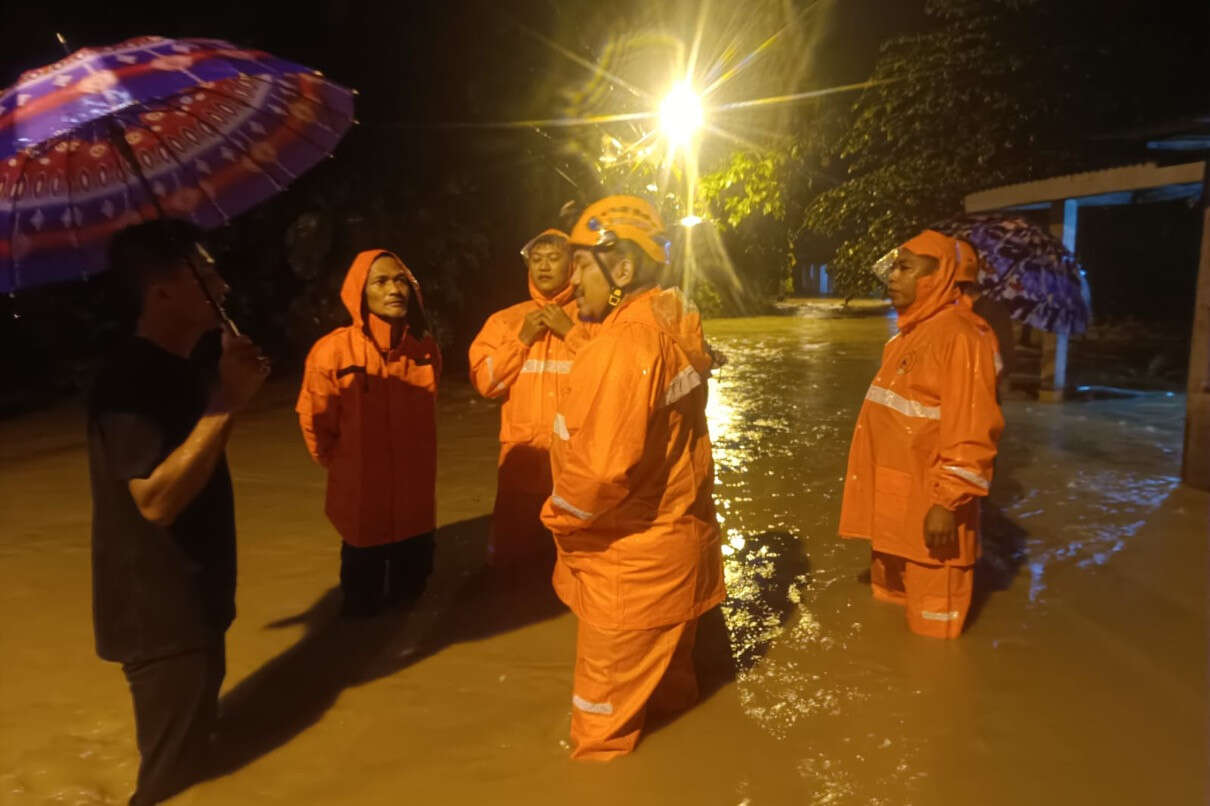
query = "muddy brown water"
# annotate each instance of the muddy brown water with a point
(1080, 680)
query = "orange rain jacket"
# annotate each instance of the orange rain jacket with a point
(368, 414)
(928, 428)
(968, 272)
(632, 511)
(528, 378)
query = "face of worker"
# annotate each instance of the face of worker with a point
(549, 266)
(387, 289)
(178, 295)
(909, 268)
(591, 288)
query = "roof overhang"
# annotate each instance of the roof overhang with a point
(1129, 184)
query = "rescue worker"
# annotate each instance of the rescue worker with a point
(367, 410)
(521, 355)
(990, 315)
(639, 558)
(924, 444)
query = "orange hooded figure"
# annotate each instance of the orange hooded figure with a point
(990, 317)
(367, 410)
(632, 513)
(925, 438)
(528, 378)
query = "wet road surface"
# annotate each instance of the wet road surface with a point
(1081, 678)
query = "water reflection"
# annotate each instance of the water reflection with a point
(819, 662)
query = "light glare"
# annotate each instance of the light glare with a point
(681, 114)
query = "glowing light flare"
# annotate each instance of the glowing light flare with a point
(681, 114)
(691, 221)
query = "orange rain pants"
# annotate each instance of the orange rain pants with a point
(937, 597)
(926, 436)
(528, 379)
(632, 513)
(623, 674)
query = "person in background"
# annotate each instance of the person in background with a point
(367, 410)
(992, 313)
(522, 356)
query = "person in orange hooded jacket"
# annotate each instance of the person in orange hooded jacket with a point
(522, 355)
(924, 444)
(631, 509)
(989, 315)
(367, 410)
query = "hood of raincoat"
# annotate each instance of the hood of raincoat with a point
(352, 294)
(938, 290)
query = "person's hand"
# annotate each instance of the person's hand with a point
(940, 532)
(556, 320)
(532, 328)
(242, 370)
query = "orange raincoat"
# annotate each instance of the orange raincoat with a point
(368, 414)
(639, 555)
(528, 379)
(968, 272)
(926, 435)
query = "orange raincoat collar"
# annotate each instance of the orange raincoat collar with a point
(938, 290)
(352, 294)
(561, 297)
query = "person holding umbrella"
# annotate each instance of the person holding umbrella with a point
(925, 442)
(163, 529)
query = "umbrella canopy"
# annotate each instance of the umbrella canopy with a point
(1027, 269)
(215, 129)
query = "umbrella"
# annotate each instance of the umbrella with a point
(1027, 269)
(195, 128)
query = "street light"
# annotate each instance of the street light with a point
(681, 114)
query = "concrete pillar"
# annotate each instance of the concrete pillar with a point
(1195, 468)
(1064, 223)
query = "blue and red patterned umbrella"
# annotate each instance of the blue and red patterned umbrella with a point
(1027, 269)
(215, 129)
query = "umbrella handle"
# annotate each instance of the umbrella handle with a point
(123, 148)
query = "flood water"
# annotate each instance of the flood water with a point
(1081, 678)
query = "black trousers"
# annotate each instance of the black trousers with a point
(175, 707)
(378, 576)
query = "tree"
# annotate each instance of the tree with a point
(993, 92)
(1001, 91)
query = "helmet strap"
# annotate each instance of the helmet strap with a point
(615, 291)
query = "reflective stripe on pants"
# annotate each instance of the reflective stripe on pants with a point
(937, 597)
(619, 674)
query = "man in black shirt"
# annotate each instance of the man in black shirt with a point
(163, 533)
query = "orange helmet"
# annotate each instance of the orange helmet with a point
(622, 218)
(968, 263)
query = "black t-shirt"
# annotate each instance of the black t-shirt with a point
(156, 590)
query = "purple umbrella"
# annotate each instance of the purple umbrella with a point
(195, 128)
(1027, 269)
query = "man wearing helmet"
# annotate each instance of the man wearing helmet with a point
(639, 557)
(521, 356)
